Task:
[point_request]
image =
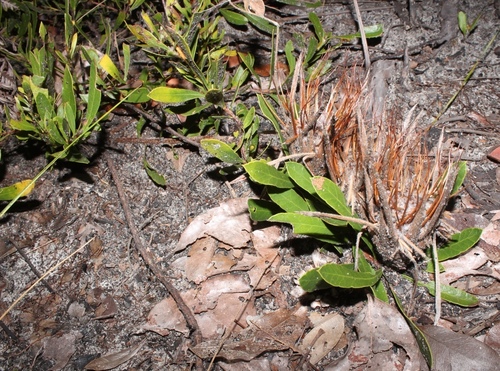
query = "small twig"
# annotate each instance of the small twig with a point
(41, 278)
(291, 157)
(150, 259)
(7, 330)
(152, 118)
(33, 268)
(344, 218)
(243, 309)
(436, 281)
(363, 36)
(292, 347)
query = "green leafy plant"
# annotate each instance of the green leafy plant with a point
(463, 24)
(49, 111)
(316, 207)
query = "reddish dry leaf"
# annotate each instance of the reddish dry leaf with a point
(178, 158)
(199, 259)
(453, 351)
(276, 332)
(206, 296)
(326, 333)
(107, 308)
(384, 338)
(491, 234)
(165, 317)
(113, 360)
(492, 338)
(229, 223)
(264, 241)
(467, 264)
(59, 349)
(214, 323)
(494, 155)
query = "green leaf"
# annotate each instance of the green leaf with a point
(312, 50)
(70, 117)
(166, 94)
(126, 60)
(303, 224)
(378, 289)
(312, 281)
(22, 125)
(318, 28)
(147, 37)
(290, 58)
(261, 23)
(288, 199)
(69, 99)
(459, 243)
(270, 113)
(44, 105)
(249, 118)
(459, 180)
(344, 275)
(13, 191)
(261, 210)
(221, 150)
(107, 65)
(422, 342)
(94, 97)
(233, 17)
(262, 173)
(452, 294)
(300, 175)
(139, 95)
(153, 174)
(370, 32)
(462, 23)
(333, 196)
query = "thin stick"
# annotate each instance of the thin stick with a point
(349, 219)
(41, 278)
(436, 281)
(150, 259)
(363, 36)
(33, 268)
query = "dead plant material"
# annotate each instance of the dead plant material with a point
(381, 162)
(387, 174)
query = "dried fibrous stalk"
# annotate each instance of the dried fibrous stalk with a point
(305, 116)
(384, 168)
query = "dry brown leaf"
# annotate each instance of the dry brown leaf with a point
(264, 241)
(453, 351)
(464, 265)
(275, 331)
(261, 363)
(107, 308)
(229, 223)
(178, 158)
(199, 259)
(317, 344)
(492, 338)
(384, 338)
(113, 360)
(491, 234)
(60, 349)
(206, 296)
(256, 7)
(165, 317)
(214, 323)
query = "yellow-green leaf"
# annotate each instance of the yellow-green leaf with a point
(166, 94)
(11, 192)
(107, 65)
